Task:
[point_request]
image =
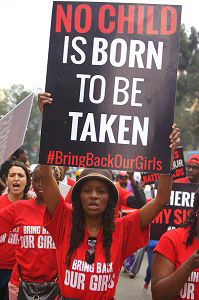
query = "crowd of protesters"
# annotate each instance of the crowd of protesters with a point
(74, 247)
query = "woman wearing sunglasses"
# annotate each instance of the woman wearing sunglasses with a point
(91, 244)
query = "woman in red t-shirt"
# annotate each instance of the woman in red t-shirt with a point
(175, 271)
(91, 244)
(18, 181)
(36, 253)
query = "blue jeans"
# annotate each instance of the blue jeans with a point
(149, 248)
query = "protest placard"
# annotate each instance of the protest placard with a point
(181, 201)
(112, 74)
(178, 163)
(13, 128)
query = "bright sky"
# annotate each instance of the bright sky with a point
(24, 35)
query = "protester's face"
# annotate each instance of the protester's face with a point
(193, 172)
(24, 156)
(94, 196)
(16, 180)
(36, 183)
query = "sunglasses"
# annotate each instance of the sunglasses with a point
(90, 254)
(193, 167)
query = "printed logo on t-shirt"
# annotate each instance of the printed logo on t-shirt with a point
(102, 280)
(36, 237)
(11, 237)
(187, 292)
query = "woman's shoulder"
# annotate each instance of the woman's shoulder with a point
(3, 197)
(25, 203)
(129, 219)
(4, 201)
(176, 234)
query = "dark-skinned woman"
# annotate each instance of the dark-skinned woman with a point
(175, 269)
(91, 244)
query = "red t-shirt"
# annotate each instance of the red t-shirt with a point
(183, 180)
(123, 196)
(171, 245)
(8, 241)
(122, 200)
(36, 252)
(97, 281)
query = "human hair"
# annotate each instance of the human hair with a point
(3, 169)
(28, 177)
(16, 154)
(59, 172)
(78, 225)
(32, 173)
(192, 221)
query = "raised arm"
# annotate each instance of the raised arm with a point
(166, 283)
(149, 211)
(44, 98)
(49, 184)
(138, 199)
(50, 188)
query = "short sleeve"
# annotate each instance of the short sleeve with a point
(133, 237)
(123, 196)
(167, 247)
(7, 218)
(60, 224)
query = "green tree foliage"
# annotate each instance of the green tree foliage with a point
(3, 103)
(187, 101)
(14, 96)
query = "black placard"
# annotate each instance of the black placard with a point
(178, 163)
(112, 74)
(181, 201)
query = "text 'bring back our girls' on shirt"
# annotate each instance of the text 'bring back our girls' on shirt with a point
(96, 281)
(36, 252)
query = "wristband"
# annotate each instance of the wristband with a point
(172, 170)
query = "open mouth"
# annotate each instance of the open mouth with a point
(16, 186)
(93, 206)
